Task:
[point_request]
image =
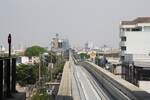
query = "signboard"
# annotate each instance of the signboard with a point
(92, 54)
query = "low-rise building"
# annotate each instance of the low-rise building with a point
(27, 60)
(135, 50)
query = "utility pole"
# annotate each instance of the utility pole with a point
(51, 66)
(40, 68)
(39, 71)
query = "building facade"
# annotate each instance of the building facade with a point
(135, 39)
(135, 50)
(59, 45)
(2, 50)
(55, 42)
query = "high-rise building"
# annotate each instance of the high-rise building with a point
(54, 42)
(2, 50)
(65, 44)
(86, 46)
(59, 45)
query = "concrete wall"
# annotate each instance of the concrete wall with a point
(145, 85)
(137, 42)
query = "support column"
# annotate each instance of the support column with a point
(13, 82)
(1, 79)
(7, 77)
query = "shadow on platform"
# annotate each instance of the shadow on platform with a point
(142, 95)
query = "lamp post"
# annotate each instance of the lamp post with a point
(7, 67)
(9, 43)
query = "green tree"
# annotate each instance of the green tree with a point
(59, 65)
(26, 74)
(34, 51)
(84, 56)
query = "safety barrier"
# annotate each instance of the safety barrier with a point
(117, 87)
(65, 92)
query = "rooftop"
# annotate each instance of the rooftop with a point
(142, 64)
(137, 20)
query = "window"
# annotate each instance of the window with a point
(127, 29)
(145, 75)
(123, 48)
(123, 38)
(122, 58)
(147, 28)
(137, 29)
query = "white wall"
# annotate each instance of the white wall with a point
(138, 42)
(145, 85)
(24, 60)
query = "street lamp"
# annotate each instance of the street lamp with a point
(9, 43)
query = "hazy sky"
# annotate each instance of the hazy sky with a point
(36, 21)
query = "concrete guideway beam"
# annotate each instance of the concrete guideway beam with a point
(119, 88)
(65, 92)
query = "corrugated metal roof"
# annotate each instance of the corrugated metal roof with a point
(137, 20)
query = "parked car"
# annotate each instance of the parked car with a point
(108, 66)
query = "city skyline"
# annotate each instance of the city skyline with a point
(36, 21)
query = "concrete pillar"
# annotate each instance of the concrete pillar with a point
(13, 82)
(123, 70)
(7, 77)
(1, 79)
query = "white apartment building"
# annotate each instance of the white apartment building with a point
(135, 51)
(135, 39)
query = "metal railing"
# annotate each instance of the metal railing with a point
(7, 77)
